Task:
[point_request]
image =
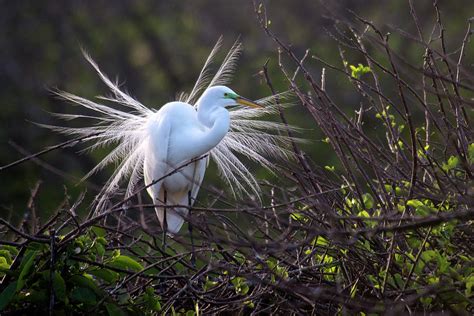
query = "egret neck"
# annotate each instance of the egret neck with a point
(216, 121)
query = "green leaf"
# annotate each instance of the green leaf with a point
(433, 280)
(399, 191)
(7, 295)
(388, 188)
(358, 71)
(423, 210)
(414, 203)
(36, 246)
(299, 217)
(429, 255)
(452, 163)
(4, 266)
(59, 286)
(330, 168)
(420, 208)
(426, 300)
(441, 260)
(6, 254)
(152, 300)
(114, 310)
(470, 153)
(241, 287)
(86, 282)
(400, 144)
(10, 249)
(469, 285)
(272, 263)
(83, 295)
(124, 298)
(99, 249)
(365, 214)
(240, 257)
(209, 284)
(321, 241)
(249, 304)
(25, 267)
(101, 240)
(196, 308)
(354, 289)
(99, 231)
(398, 280)
(107, 275)
(443, 263)
(126, 263)
(368, 200)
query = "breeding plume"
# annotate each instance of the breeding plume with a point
(181, 136)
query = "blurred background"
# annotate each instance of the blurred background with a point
(156, 49)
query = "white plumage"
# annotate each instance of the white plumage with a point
(176, 134)
(151, 144)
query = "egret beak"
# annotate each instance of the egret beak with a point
(246, 102)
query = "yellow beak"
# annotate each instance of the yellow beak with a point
(246, 102)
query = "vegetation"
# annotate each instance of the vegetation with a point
(386, 226)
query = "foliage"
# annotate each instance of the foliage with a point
(357, 72)
(79, 278)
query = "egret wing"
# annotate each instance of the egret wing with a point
(256, 138)
(250, 134)
(156, 168)
(199, 172)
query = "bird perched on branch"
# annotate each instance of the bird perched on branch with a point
(170, 148)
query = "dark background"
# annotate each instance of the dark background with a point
(156, 49)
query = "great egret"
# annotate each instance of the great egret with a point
(178, 133)
(150, 143)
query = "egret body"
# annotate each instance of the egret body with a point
(177, 133)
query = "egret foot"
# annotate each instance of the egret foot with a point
(164, 233)
(165, 224)
(190, 229)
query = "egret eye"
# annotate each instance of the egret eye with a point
(226, 94)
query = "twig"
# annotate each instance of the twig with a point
(68, 143)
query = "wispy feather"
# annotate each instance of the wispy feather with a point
(250, 135)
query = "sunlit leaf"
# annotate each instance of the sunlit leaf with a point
(7, 255)
(4, 266)
(368, 200)
(452, 163)
(126, 263)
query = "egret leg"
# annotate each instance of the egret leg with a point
(165, 223)
(190, 229)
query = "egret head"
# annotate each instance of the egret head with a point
(222, 96)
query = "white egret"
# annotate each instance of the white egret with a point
(150, 143)
(178, 133)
